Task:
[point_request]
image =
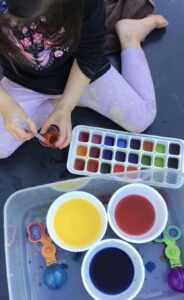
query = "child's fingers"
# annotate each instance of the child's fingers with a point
(32, 126)
(25, 124)
(21, 135)
(68, 139)
(66, 143)
(15, 136)
(45, 127)
(62, 138)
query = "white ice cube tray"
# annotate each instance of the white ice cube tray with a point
(99, 151)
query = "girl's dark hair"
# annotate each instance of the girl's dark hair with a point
(60, 14)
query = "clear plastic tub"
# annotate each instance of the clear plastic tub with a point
(25, 265)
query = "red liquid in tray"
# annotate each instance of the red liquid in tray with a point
(92, 166)
(135, 215)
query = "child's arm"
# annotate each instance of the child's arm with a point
(89, 58)
(76, 84)
(61, 116)
(11, 112)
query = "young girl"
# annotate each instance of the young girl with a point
(52, 54)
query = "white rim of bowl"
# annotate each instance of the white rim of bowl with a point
(118, 231)
(67, 197)
(139, 269)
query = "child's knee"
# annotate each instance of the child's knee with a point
(5, 152)
(136, 121)
(148, 119)
(8, 144)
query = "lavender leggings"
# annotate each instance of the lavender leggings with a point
(127, 99)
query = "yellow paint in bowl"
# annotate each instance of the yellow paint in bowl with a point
(77, 223)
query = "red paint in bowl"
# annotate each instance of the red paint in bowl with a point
(134, 215)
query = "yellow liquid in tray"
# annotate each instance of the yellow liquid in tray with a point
(77, 223)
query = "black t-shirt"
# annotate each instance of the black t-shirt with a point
(50, 67)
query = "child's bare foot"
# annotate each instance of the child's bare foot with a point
(132, 32)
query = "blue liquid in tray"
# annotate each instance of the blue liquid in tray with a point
(109, 141)
(111, 271)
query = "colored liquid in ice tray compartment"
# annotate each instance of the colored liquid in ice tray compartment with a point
(99, 151)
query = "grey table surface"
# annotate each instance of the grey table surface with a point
(33, 165)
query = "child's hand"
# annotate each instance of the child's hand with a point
(61, 118)
(13, 117)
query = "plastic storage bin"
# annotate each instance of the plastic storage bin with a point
(25, 265)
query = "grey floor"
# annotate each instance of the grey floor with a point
(34, 165)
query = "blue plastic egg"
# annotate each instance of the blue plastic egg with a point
(54, 277)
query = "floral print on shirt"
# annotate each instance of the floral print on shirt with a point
(35, 47)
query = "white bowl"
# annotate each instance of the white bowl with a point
(139, 271)
(161, 212)
(65, 198)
